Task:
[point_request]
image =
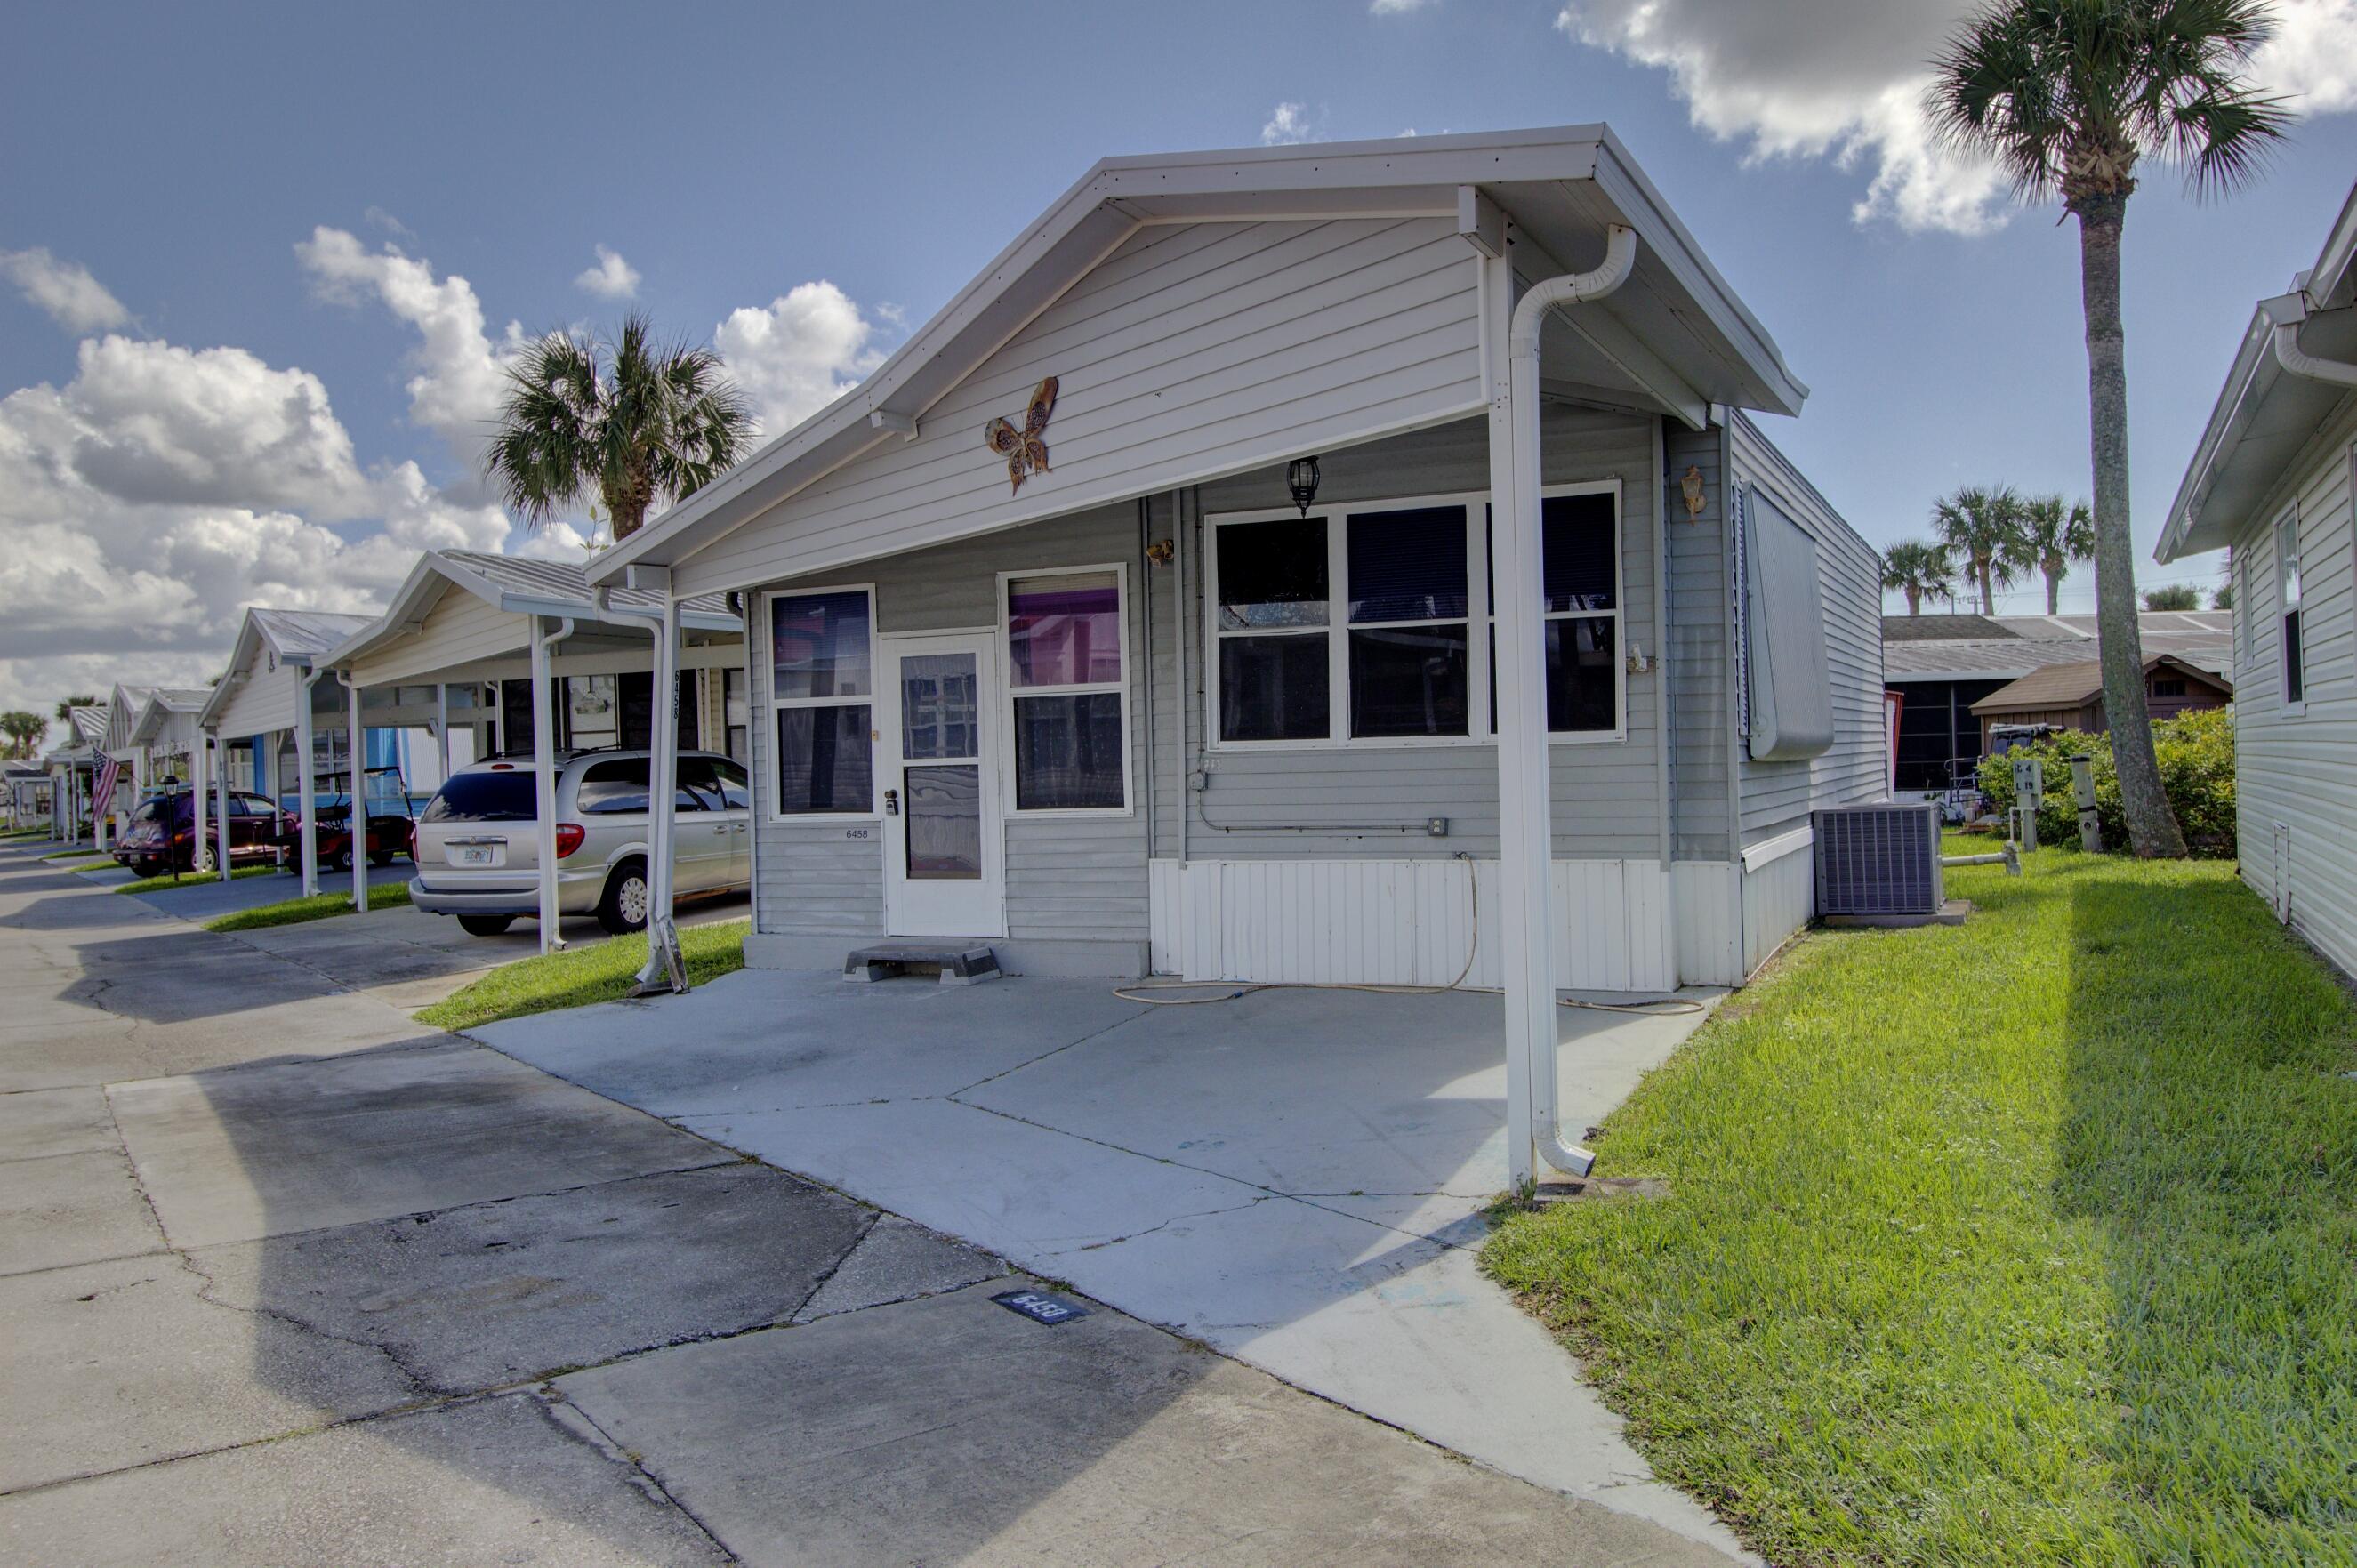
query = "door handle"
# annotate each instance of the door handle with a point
(891, 802)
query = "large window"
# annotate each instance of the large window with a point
(1064, 663)
(821, 696)
(2295, 672)
(1358, 626)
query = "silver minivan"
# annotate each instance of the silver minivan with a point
(478, 842)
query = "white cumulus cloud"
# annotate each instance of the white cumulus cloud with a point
(65, 290)
(798, 353)
(611, 278)
(460, 371)
(1843, 80)
(1287, 124)
(1395, 8)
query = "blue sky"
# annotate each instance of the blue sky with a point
(731, 153)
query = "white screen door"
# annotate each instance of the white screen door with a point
(944, 847)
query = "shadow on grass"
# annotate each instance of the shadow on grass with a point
(2210, 1135)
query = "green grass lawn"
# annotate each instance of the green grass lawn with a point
(318, 906)
(77, 851)
(2029, 1241)
(579, 976)
(150, 884)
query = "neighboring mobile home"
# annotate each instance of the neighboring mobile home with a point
(1135, 615)
(2271, 481)
(2071, 696)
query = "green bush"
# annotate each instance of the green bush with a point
(2197, 770)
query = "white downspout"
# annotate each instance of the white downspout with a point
(220, 814)
(665, 970)
(2300, 362)
(305, 803)
(200, 782)
(1525, 799)
(544, 768)
(356, 816)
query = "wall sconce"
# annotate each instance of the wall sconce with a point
(1301, 479)
(1160, 551)
(1690, 487)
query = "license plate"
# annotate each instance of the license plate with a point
(477, 854)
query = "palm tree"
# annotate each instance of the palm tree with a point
(1982, 529)
(2053, 534)
(2068, 96)
(66, 705)
(23, 730)
(620, 423)
(1916, 568)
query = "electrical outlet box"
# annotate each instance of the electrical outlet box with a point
(1438, 827)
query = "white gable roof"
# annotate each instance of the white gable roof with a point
(1675, 322)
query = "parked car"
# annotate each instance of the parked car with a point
(388, 818)
(163, 831)
(478, 844)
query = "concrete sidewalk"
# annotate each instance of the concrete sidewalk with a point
(1297, 1179)
(284, 1279)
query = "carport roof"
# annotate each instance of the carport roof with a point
(2265, 416)
(288, 637)
(1561, 185)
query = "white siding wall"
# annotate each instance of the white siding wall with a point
(264, 703)
(1193, 349)
(460, 629)
(2296, 773)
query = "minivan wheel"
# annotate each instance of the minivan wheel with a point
(624, 906)
(485, 925)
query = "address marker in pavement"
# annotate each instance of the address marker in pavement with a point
(1040, 1306)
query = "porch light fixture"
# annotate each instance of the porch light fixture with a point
(1301, 479)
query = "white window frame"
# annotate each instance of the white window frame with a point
(1480, 615)
(776, 704)
(2288, 565)
(1008, 794)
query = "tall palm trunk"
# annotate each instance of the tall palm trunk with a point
(1984, 568)
(1914, 599)
(2053, 570)
(2152, 826)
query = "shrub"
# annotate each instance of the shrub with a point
(2197, 770)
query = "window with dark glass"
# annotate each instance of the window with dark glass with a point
(612, 788)
(822, 694)
(1408, 619)
(1064, 665)
(1581, 543)
(2294, 671)
(1273, 610)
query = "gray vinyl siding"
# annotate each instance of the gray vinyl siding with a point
(1067, 877)
(459, 630)
(2299, 770)
(1372, 802)
(1702, 718)
(1191, 351)
(1086, 877)
(1777, 797)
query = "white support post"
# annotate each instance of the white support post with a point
(1525, 923)
(306, 801)
(356, 819)
(665, 970)
(221, 816)
(199, 784)
(543, 771)
(442, 728)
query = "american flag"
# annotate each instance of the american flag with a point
(109, 773)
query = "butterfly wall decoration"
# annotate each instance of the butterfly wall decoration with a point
(1025, 452)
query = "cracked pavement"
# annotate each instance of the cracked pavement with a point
(286, 1278)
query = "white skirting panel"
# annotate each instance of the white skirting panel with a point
(1401, 921)
(1709, 901)
(1779, 895)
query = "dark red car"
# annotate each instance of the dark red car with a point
(389, 817)
(163, 831)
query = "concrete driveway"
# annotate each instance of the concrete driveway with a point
(285, 1279)
(1296, 1178)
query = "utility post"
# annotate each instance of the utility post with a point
(2083, 784)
